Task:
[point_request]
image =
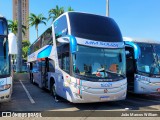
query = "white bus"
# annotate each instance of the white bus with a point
(7, 47)
(80, 58)
(143, 65)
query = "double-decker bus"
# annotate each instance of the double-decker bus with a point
(143, 65)
(80, 58)
(7, 47)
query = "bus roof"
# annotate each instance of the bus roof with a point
(91, 26)
(141, 40)
(1, 15)
(77, 12)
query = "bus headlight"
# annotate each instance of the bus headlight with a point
(5, 87)
(80, 87)
(84, 88)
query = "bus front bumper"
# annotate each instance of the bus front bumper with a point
(143, 87)
(5, 95)
(91, 97)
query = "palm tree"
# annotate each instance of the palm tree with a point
(13, 27)
(70, 9)
(36, 20)
(55, 12)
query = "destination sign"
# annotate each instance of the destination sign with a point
(100, 43)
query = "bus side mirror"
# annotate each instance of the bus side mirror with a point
(63, 40)
(69, 39)
(12, 43)
(73, 44)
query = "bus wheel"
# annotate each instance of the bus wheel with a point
(32, 79)
(53, 91)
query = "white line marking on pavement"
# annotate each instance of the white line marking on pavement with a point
(29, 96)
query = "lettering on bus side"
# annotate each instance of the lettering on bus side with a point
(139, 77)
(103, 44)
(106, 84)
(109, 44)
(91, 43)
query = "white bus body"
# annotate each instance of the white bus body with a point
(66, 62)
(143, 65)
(7, 47)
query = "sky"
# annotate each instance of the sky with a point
(135, 18)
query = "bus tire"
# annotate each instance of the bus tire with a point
(32, 79)
(53, 90)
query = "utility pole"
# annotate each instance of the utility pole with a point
(107, 8)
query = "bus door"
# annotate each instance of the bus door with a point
(130, 67)
(45, 68)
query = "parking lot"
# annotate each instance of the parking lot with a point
(30, 98)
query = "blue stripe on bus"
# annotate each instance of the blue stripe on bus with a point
(45, 53)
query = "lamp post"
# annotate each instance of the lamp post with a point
(107, 8)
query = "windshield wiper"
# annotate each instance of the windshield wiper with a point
(111, 72)
(108, 71)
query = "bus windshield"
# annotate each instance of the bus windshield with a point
(157, 49)
(4, 57)
(94, 27)
(157, 52)
(99, 63)
(148, 62)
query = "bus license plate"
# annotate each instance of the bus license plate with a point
(104, 97)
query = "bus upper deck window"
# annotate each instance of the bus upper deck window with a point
(3, 30)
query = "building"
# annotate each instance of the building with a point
(25, 14)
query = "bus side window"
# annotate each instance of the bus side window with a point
(39, 66)
(60, 60)
(47, 37)
(35, 69)
(61, 27)
(65, 62)
(51, 66)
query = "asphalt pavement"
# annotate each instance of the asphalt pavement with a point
(30, 98)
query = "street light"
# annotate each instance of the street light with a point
(107, 8)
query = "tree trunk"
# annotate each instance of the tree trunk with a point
(19, 41)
